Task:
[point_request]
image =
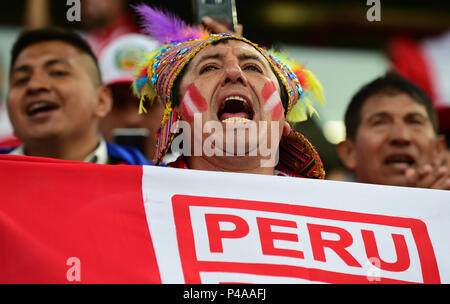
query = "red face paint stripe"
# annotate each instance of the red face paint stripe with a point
(277, 111)
(197, 99)
(268, 90)
(186, 112)
(193, 102)
(272, 100)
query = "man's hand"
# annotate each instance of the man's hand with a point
(432, 176)
(216, 27)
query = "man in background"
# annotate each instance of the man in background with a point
(392, 136)
(102, 20)
(56, 100)
(118, 61)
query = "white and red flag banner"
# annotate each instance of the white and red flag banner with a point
(70, 222)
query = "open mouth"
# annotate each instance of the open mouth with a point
(36, 108)
(235, 109)
(400, 161)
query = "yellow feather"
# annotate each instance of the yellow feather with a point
(142, 108)
(314, 86)
(297, 114)
(313, 91)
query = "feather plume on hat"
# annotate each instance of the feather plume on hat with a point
(166, 27)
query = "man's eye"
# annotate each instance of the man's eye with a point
(207, 68)
(20, 81)
(58, 73)
(378, 122)
(416, 121)
(253, 68)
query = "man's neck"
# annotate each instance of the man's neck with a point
(73, 150)
(236, 164)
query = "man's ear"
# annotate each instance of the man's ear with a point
(346, 151)
(104, 101)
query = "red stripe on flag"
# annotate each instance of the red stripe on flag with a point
(53, 210)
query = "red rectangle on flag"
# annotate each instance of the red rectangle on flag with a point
(220, 236)
(71, 222)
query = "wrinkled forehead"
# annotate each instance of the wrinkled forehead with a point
(229, 47)
(394, 104)
(41, 51)
(49, 53)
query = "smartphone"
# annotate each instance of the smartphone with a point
(132, 137)
(223, 11)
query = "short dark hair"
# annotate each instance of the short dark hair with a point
(390, 84)
(31, 37)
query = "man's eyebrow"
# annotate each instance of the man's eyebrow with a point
(407, 115)
(206, 57)
(416, 114)
(56, 61)
(377, 115)
(244, 56)
(21, 68)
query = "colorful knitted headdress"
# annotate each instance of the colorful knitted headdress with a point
(158, 72)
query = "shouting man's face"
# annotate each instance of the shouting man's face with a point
(231, 86)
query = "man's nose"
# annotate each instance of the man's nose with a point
(234, 74)
(400, 134)
(38, 83)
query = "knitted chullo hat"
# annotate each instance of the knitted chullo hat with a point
(160, 69)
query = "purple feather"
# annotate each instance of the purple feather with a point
(165, 26)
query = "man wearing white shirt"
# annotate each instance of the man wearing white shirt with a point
(56, 100)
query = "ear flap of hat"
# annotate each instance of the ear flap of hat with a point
(166, 134)
(298, 157)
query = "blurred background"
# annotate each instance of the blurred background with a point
(332, 38)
